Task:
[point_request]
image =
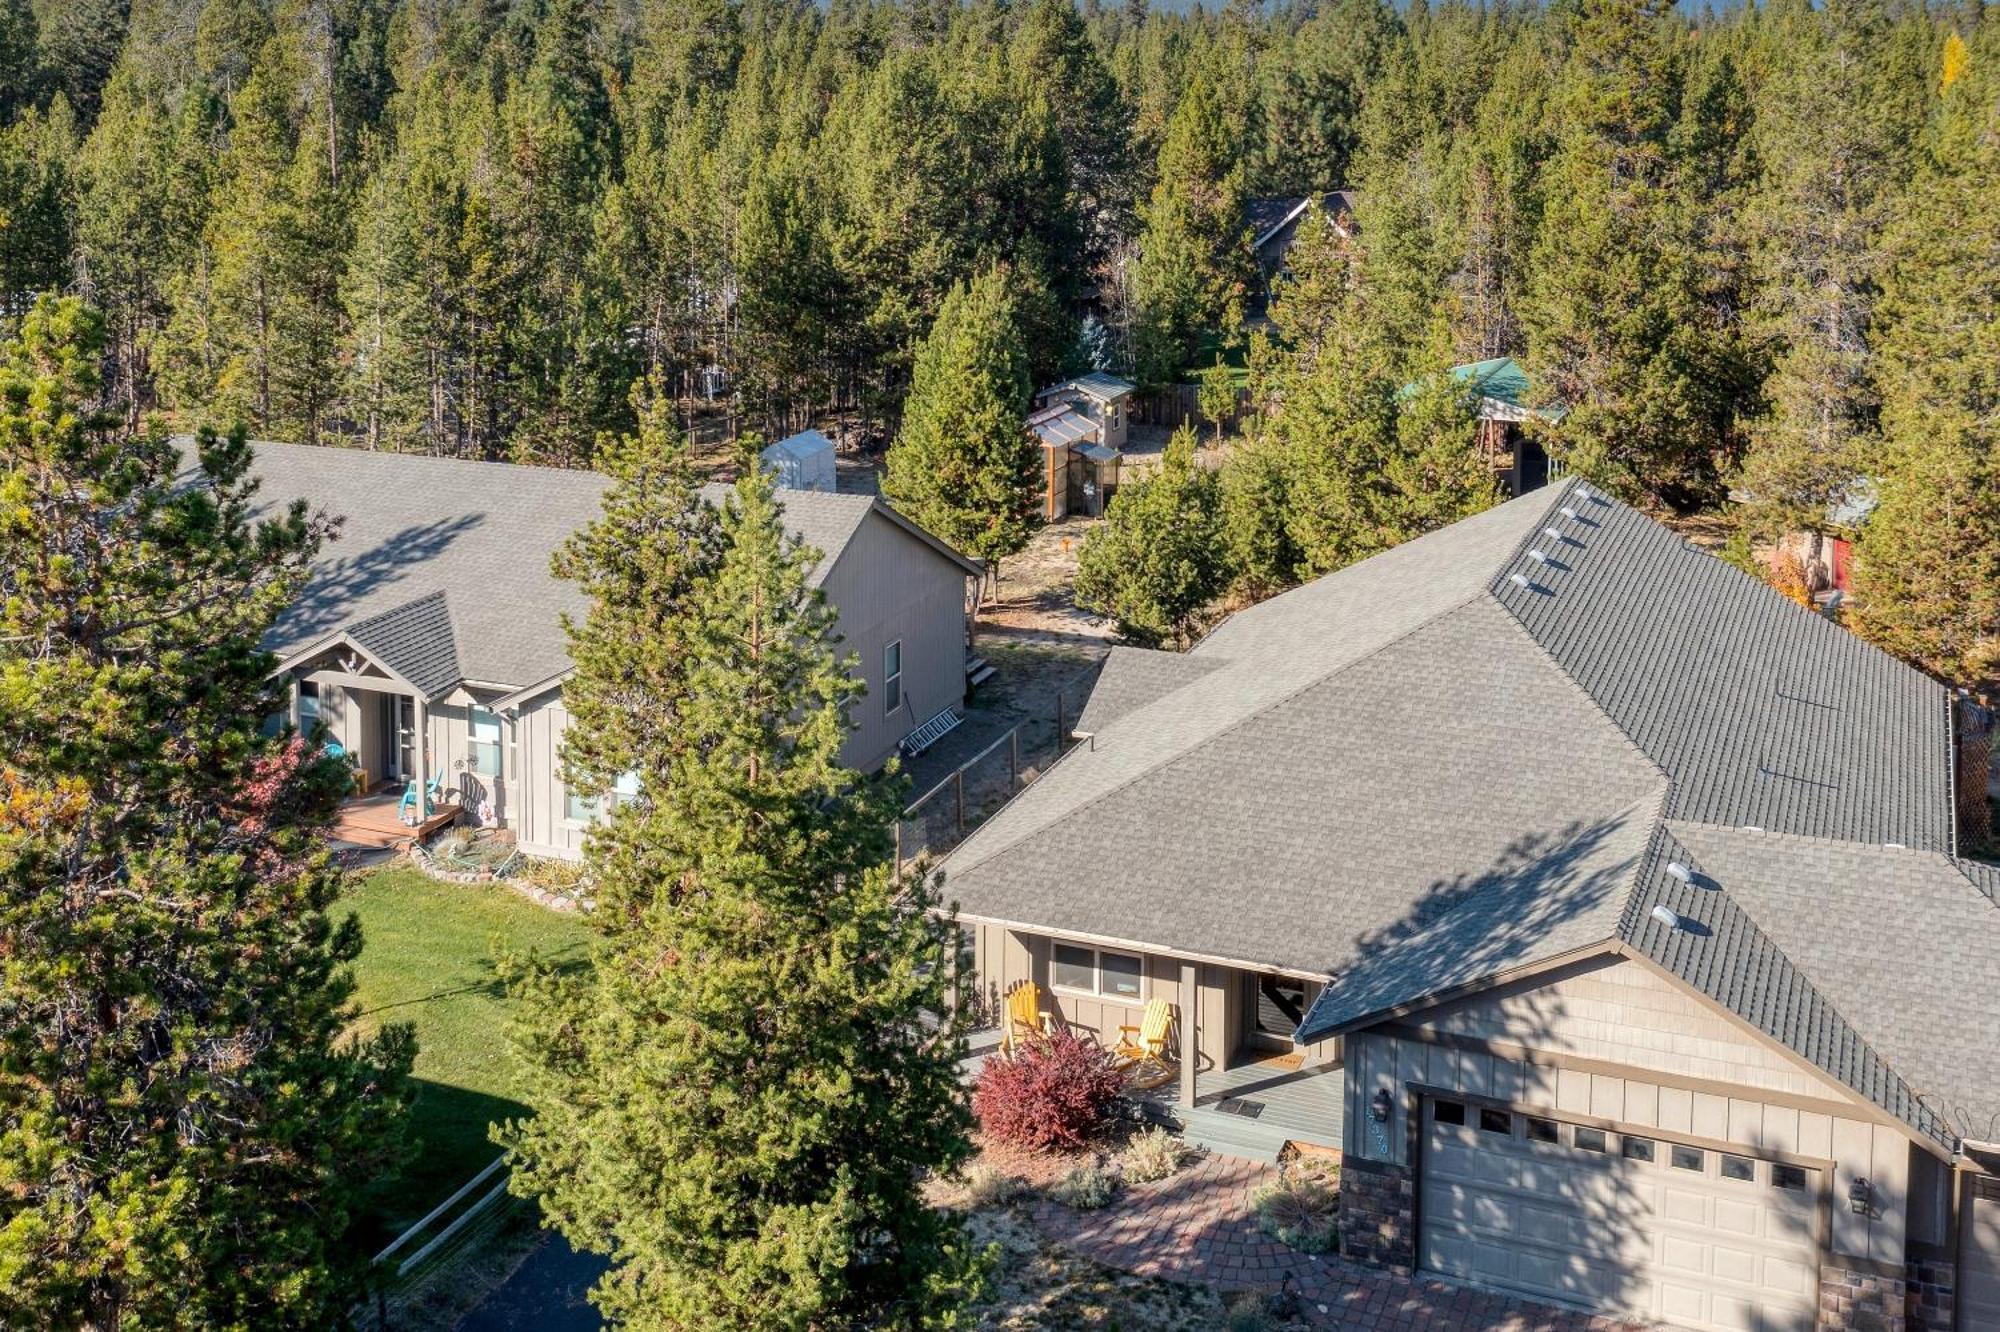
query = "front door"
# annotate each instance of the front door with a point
(1277, 1006)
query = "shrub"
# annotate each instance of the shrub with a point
(1051, 1094)
(1086, 1188)
(1300, 1208)
(986, 1186)
(1152, 1154)
(1247, 1314)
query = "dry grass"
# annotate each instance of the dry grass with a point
(1039, 1285)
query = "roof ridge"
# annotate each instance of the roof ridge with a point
(1183, 754)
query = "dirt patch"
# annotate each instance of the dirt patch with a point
(1038, 1284)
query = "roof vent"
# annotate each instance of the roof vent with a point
(1680, 871)
(1554, 535)
(1751, 827)
(1895, 846)
(1538, 557)
(1518, 580)
(1567, 512)
(1669, 917)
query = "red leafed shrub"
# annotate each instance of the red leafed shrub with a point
(1050, 1094)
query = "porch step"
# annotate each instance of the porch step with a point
(1233, 1135)
(978, 671)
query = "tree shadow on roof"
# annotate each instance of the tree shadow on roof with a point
(1544, 894)
(339, 586)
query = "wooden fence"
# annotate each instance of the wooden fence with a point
(1179, 404)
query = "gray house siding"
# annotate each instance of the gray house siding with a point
(887, 586)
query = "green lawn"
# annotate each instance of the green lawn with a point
(428, 960)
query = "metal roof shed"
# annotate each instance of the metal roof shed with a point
(803, 462)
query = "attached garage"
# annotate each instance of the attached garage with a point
(1979, 1262)
(1555, 1209)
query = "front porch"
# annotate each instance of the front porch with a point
(375, 820)
(1250, 1109)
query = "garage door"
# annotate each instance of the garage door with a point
(1979, 1266)
(1688, 1235)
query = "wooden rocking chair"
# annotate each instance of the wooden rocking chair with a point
(1148, 1040)
(1025, 1015)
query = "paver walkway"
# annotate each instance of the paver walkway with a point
(1197, 1226)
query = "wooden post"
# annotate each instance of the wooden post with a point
(1013, 759)
(1190, 1033)
(899, 846)
(958, 791)
(295, 700)
(420, 746)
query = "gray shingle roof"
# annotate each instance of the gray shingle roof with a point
(1765, 713)
(1133, 677)
(1458, 759)
(415, 641)
(471, 543)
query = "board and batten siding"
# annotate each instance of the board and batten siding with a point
(1002, 958)
(888, 586)
(1562, 1023)
(542, 826)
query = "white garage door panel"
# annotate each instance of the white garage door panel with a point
(1557, 1220)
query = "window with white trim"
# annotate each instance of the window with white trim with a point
(892, 678)
(482, 741)
(308, 706)
(589, 809)
(1087, 970)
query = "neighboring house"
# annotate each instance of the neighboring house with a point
(1600, 904)
(1081, 425)
(803, 461)
(1274, 226)
(429, 641)
(1519, 462)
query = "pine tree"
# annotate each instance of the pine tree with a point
(1831, 145)
(739, 1100)
(1160, 558)
(1927, 585)
(188, 1130)
(1193, 267)
(1617, 330)
(964, 467)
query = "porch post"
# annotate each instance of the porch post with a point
(292, 689)
(420, 746)
(1190, 1033)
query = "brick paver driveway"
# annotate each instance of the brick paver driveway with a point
(1198, 1227)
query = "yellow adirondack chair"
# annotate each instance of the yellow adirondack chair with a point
(1025, 1015)
(1148, 1040)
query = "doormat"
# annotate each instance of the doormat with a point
(1291, 1063)
(1236, 1105)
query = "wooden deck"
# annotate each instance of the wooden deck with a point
(372, 821)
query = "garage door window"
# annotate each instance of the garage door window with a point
(1496, 1121)
(1448, 1112)
(1688, 1158)
(1788, 1177)
(1738, 1167)
(1638, 1149)
(1541, 1130)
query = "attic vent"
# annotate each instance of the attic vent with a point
(1567, 512)
(1669, 917)
(1554, 535)
(1518, 580)
(1895, 846)
(1538, 557)
(1680, 871)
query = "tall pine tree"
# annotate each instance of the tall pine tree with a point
(739, 1100)
(187, 1131)
(964, 466)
